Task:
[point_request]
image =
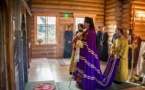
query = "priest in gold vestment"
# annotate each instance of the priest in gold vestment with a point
(75, 52)
(120, 49)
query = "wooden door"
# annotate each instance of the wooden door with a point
(62, 26)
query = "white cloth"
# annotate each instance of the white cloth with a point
(141, 62)
(79, 45)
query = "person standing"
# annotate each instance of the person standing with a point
(98, 39)
(120, 49)
(136, 40)
(88, 74)
(115, 36)
(74, 42)
(68, 36)
(104, 45)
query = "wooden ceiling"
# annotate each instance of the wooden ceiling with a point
(86, 6)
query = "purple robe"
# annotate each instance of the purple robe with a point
(88, 73)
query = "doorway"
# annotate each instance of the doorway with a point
(63, 24)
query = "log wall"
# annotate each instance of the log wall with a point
(138, 17)
(113, 16)
(75, 8)
(126, 16)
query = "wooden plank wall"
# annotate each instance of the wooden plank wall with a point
(138, 8)
(113, 16)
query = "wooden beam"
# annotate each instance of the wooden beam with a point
(70, 3)
(113, 5)
(74, 7)
(88, 1)
(26, 6)
(110, 2)
(67, 11)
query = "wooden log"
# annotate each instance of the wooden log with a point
(140, 33)
(118, 9)
(98, 16)
(138, 6)
(68, 11)
(118, 23)
(124, 20)
(111, 26)
(108, 2)
(99, 24)
(125, 25)
(81, 1)
(69, 3)
(111, 22)
(140, 11)
(113, 5)
(138, 28)
(119, 3)
(55, 6)
(99, 20)
(128, 10)
(126, 15)
(128, 5)
(114, 13)
(110, 10)
(113, 18)
(126, 1)
(138, 2)
(110, 18)
(136, 24)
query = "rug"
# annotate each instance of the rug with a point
(65, 86)
(63, 62)
(32, 85)
(45, 86)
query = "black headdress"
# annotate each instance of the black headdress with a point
(90, 21)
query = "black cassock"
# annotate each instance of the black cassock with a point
(68, 36)
(115, 36)
(104, 48)
(130, 39)
(98, 38)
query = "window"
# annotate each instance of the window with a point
(46, 29)
(79, 20)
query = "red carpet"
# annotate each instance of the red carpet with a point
(45, 86)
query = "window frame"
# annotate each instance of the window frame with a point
(35, 28)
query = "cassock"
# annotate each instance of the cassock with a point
(68, 36)
(104, 47)
(120, 47)
(88, 74)
(98, 38)
(115, 36)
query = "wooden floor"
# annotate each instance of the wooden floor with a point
(43, 69)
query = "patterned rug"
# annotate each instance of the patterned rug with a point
(45, 86)
(41, 85)
(63, 62)
(65, 86)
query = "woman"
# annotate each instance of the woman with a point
(73, 61)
